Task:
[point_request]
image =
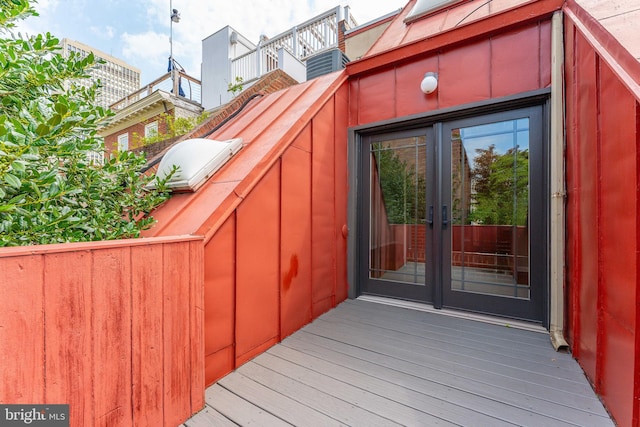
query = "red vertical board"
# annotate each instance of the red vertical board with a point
(377, 96)
(587, 209)
(618, 192)
(465, 74)
(410, 99)
(354, 93)
(219, 295)
(341, 192)
(515, 65)
(177, 358)
(572, 183)
(111, 323)
(196, 318)
(295, 231)
(219, 364)
(545, 53)
(22, 360)
(618, 243)
(67, 338)
(636, 349)
(323, 236)
(258, 268)
(146, 327)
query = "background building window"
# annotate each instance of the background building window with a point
(151, 129)
(123, 142)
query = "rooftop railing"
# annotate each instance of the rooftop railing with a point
(313, 36)
(189, 88)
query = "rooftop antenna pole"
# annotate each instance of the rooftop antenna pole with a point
(175, 17)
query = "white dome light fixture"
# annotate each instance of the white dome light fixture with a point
(429, 82)
(197, 159)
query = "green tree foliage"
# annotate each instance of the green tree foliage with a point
(50, 191)
(403, 190)
(237, 87)
(501, 180)
(175, 127)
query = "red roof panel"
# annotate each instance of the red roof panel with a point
(268, 126)
(447, 19)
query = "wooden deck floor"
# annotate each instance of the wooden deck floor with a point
(367, 364)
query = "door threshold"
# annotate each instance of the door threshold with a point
(411, 305)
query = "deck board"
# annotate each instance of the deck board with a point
(377, 365)
(345, 411)
(209, 417)
(238, 410)
(455, 376)
(481, 397)
(422, 354)
(284, 407)
(534, 352)
(548, 366)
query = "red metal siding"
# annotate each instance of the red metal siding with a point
(295, 261)
(275, 255)
(618, 243)
(587, 147)
(495, 66)
(464, 74)
(571, 181)
(545, 54)
(602, 257)
(509, 64)
(340, 191)
(354, 110)
(219, 296)
(303, 254)
(323, 222)
(409, 97)
(258, 268)
(377, 94)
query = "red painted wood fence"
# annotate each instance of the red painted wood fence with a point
(114, 329)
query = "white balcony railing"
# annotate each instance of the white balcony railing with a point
(191, 89)
(316, 35)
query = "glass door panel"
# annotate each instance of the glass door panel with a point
(494, 185)
(490, 209)
(455, 213)
(397, 263)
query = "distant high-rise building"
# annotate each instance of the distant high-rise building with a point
(118, 79)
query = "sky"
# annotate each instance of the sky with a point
(137, 31)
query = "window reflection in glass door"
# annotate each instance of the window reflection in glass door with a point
(490, 209)
(397, 210)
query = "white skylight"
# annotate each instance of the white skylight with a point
(425, 7)
(197, 159)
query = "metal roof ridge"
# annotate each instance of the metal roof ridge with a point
(231, 192)
(245, 185)
(610, 49)
(526, 12)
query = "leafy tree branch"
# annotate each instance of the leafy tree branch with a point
(50, 190)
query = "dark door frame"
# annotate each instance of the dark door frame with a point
(356, 134)
(407, 291)
(531, 309)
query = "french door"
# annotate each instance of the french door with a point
(455, 214)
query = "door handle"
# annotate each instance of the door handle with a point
(445, 217)
(430, 220)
